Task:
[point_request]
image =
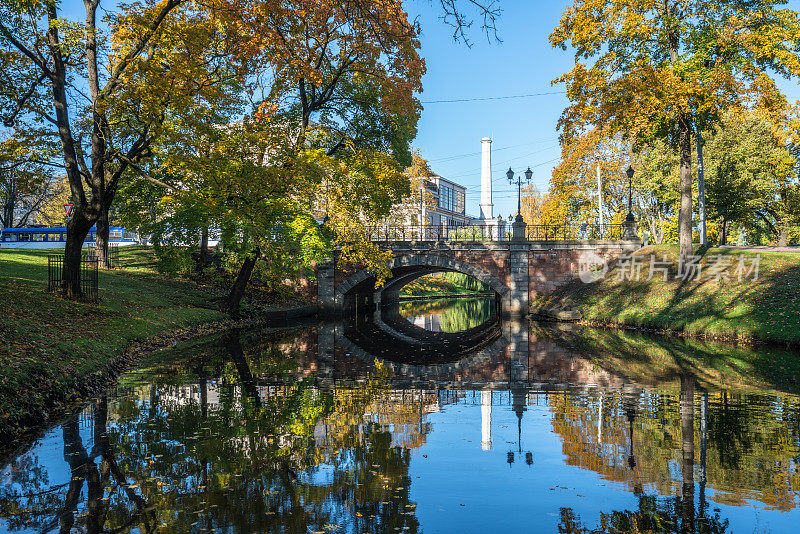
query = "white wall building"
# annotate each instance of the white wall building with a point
(446, 203)
(442, 202)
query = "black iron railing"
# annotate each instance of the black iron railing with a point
(467, 233)
(573, 232)
(89, 274)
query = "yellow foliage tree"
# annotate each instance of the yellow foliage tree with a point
(666, 69)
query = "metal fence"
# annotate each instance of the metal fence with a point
(467, 233)
(573, 232)
(112, 258)
(89, 274)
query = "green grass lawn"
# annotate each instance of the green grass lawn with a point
(766, 309)
(432, 285)
(49, 344)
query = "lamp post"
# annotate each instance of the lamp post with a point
(629, 229)
(510, 175)
(629, 172)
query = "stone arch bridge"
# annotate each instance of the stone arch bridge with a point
(516, 269)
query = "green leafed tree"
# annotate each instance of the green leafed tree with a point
(105, 86)
(750, 173)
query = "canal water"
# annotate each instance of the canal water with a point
(437, 416)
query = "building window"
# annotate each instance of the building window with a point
(446, 197)
(54, 237)
(115, 235)
(38, 236)
(9, 237)
(451, 199)
(24, 236)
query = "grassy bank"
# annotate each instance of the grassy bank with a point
(433, 285)
(762, 309)
(54, 350)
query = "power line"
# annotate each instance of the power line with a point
(450, 158)
(498, 166)
(491, 98)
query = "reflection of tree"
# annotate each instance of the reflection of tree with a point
(456, 315)
(687, 449)
(51, 510)
(662, 421)
(653, 515)
(670, 514)
(204, 445)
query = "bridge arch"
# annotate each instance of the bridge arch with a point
(360, 287)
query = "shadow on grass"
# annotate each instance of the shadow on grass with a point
(746, 307)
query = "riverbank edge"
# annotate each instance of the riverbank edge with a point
(445, 296)
(737, 339)
(72, 399)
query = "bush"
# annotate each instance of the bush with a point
(173, 259)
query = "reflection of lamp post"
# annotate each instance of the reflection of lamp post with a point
(518, 403)
(518, 227)
(519, 396)
(630, 401)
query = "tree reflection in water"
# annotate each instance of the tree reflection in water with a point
(242, 436)
(223, 452)
(449, 315)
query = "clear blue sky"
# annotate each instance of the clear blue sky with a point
(523, 63)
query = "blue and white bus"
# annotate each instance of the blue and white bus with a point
(54, 237)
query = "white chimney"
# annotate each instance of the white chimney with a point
(487, 208)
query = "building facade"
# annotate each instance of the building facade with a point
(445, 203)
(439, 202)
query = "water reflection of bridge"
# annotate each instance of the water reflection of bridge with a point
(494, 355)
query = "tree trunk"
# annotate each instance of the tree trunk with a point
(237, 291)
(685, 229)
(11, 201)
(77, 229)
(723, 235)
(101, 237)
(783, 235)
(203, 248)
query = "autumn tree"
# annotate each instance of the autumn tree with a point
(750, 172)
(574, 182)
(27, 180)
(105, 88)
(666, 69)
(410, 211)
(329, 130)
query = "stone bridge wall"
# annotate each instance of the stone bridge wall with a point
(516, 270)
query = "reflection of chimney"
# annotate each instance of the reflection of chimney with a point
(487, 208)
(486, 420)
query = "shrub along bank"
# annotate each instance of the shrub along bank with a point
(54, 351)
(765, 307)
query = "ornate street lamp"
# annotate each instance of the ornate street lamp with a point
(510, 175)
(630, 218)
